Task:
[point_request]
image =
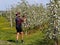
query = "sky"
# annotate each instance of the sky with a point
(6, 4)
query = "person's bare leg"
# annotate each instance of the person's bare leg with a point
(22, 37)
(17, 36)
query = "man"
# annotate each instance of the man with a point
(19, 22)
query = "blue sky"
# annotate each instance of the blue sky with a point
(4, 4)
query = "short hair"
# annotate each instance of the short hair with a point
(23, 16)
(17, 13)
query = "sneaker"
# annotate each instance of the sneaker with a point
(16, 41)
(22, 41)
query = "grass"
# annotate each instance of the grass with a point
(10, 36)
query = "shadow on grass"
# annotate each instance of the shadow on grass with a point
(11, 41)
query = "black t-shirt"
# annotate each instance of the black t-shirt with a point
(18, 21)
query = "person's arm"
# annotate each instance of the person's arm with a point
(24, 19)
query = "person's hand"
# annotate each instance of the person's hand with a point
(25, 19)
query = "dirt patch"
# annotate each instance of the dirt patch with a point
(5, 42)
